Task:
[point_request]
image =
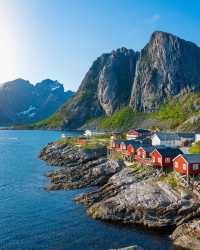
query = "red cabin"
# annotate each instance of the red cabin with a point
(144, 155)
(144, 151)
(132, 148)
(163, 157)
(124, 145)
(187, 164)
(116, 145)
(136, 133)
(81, 140)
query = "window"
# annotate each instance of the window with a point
(184, 166)
(167, 160)
(176, 164)
(195, 167)
(153, 158)
(160, 159)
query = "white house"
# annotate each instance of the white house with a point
(166, 139)
(197, 137)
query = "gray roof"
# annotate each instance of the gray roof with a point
(168, 136)
(192, 158)
(148, 148)
(169, 152)
(186, 135)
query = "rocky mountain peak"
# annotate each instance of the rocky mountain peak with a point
(167, 66)
(105, 88)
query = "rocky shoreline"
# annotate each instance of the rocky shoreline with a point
(134, 195)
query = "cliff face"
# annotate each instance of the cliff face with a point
(105, 88)
(167, 66)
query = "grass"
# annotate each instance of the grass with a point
(195, 148)
(125, 118)
(176, 110)
(170, 179)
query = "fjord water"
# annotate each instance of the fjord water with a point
(31, 218)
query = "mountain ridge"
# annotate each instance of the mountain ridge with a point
(140, 82)
(22, 102)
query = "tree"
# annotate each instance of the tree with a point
(195, 148)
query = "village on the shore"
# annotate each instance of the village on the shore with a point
(168, 151)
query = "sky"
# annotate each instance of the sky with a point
(59, 39)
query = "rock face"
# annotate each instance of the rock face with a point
(128, 195)
(21, 102)
(167, 66)
(187, 235)
(105, 88)
(80, 168)
(136, 198)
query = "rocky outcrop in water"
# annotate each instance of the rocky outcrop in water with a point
(128, 195)
(137, 198)
(167, 66)
(80, 168)
(187, 235)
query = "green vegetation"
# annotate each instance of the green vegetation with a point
(177, 110)
(195, 149)
(125, 118)
(172, 115)
(170, 179)
(55, 121)
(116, 156)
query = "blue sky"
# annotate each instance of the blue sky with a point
(60, 39)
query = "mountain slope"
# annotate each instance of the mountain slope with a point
(167, 66)
(124, 80)
(21, 102)
(105, 88)
(180, 112)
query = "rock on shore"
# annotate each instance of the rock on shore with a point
(187, 235)
(137, 198)
(80, 168)
(134, 195)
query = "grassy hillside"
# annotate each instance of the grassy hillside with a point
(182, 113)
(176, 113)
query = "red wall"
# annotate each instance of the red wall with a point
(180, 169)
(141, 153)
(130, 149)
(156, 155)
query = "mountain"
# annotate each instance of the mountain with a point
(122, 87)
(21, 102)
(105, 88)
(167, 66)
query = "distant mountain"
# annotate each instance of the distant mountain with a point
(21, 102)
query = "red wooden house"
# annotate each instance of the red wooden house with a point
(81, 140)
(163, 156)
(116, 145)
(137, 133)
(132, 147)
(187, 164)
(143, 155)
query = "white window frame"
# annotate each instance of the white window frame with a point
(184, 166)
(176, 164)
(195, 167)
(167, 160)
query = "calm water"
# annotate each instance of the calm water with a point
(31, 218)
